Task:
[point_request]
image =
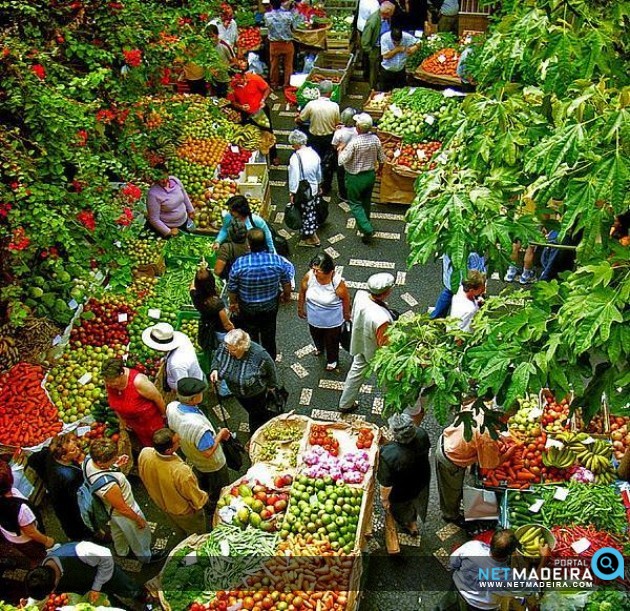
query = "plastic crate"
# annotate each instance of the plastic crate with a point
(254, 189)
(310, 90)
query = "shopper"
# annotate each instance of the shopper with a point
(240, 210)
(193, 73)
(456, 452)
(248, 94)
(448, 15)
(249, 372)
(365, 10)
(322, 114)
(171, 483)
(215, 318)
(360, 158)
(254, 290)
(467, 301)
(343, 134)
(305, 164)
(371, 316)
(404, 473)
(200, 443)
(82, 568)
(128, 525)
(377, 24)
(236, 246)
(221, 75)
(18, 521)
(324, 302)
(226, 25)
(135, 400)
(396, 46)
(280, 22)
(181, 358)
(59, 467)
(443, 304)
(169, 210)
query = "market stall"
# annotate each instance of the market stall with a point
(291, 530)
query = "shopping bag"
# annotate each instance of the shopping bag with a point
(346, 335)
(277, 400)
(292, 217)
(480, 504)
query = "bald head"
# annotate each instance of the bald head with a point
(387, 10)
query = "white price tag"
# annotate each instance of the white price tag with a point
(57, 340)
(379, 97)
(72, 304)
(191, 558)
(421, 154)
(396, 111)
(122, 317)
(225, 547)
(154, 313)
(83, 430)
(118, 244)
(535, 508)
(418, 33)
(489, 496)
(441, 58)
(588, 440)
(313, 500)
(429, 119)
(397, 153)
(561, 494)
(554, 443)
(534, 414)
(581, 545)
(84, 379)
(412, 90)
(235, 149)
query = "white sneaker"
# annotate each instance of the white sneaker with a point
(527, 276)
(511, 274)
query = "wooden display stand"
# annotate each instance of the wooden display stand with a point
(437, 79)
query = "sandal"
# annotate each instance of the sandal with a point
(331, 366)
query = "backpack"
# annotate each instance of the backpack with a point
(94, 513)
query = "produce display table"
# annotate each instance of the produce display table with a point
(437, 79)
(296, 521)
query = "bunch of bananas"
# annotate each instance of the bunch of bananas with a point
(559, 458)
(531, 539)
(245, 136)
(595, 456)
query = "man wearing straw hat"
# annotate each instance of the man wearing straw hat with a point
(180, 360)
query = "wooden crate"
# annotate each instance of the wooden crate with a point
(334, 61)
(437, 79)
(339, 41)
(475, 22)
(346, 5)
(375, 112)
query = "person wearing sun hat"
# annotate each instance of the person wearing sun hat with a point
(404, 473)
(181, 358)
(360, 158)
(371, 316)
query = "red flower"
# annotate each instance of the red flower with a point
(15, 185)
(166, 76)
(39, 71)
(126, 217)
(82, 137)
(133, 58)
(116, 6)
(182, 21)
(78, 185)
(6, 52)
(132, 192)
(86, 218)
(53, 252)
(122, 116)
(4, 210)
(105, 115)
(19, 240)
(203, 16)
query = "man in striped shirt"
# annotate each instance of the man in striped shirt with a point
(254, 290)
(359, 158)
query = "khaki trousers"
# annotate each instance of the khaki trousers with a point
(450, 479)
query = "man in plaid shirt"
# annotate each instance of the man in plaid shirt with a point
(254, 290)
(359, 158)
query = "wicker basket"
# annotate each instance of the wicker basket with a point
(312, 38)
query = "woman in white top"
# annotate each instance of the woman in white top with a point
(18, 523)
(343, 134)
(305, 164)
(228, 29)
(325, 303)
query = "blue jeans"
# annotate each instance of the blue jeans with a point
(442, 305)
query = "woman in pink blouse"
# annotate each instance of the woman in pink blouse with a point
(168, 205)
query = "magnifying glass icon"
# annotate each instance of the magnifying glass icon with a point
(606, 563)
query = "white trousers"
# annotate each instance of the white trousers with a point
(354, 380)
(126, 534)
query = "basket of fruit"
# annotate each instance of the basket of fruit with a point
(279, 441)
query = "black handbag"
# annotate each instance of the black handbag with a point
(276, 400)
(321, 210)
(304, 193)
(292, 217)
(346, 335)
(233, 449)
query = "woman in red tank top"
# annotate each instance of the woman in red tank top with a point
(136, 401)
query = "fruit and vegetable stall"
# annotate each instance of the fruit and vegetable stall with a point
(289, 533)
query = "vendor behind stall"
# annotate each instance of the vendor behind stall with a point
(396, 47)
(168, 206)
(228, 29)
(227, 60)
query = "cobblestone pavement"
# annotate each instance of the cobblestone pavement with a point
(416, 578)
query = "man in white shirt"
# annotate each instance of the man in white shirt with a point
(467, 560)
(323, 115)
(181, 360)
(371, 317)
(366, 8)
(82, 568)
(467, 300)
(396, 46)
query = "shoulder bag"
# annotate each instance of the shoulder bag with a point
(277, 400)
(233, 449)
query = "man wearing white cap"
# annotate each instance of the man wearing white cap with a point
(181, 358)
(371, 317)
(360, 157)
